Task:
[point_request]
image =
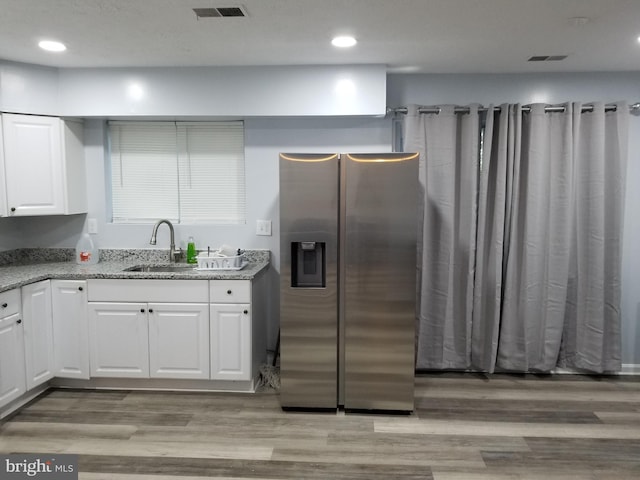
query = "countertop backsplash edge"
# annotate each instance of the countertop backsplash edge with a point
(30, 256)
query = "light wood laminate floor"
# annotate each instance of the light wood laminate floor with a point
(465, 427)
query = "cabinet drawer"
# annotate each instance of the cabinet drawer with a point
(230, 291)
(165, 291)
(9, 303)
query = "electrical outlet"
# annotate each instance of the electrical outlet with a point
(92, 225)
(263, 227)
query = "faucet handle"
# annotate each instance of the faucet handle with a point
(178, 254)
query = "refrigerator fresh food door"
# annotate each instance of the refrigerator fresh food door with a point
(379, 291)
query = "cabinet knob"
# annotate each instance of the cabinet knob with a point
(142, 310)
(151, 310)
(19, 321)
(13, 209)
(228, 292)
(80, 288)
(5, 305)
(245, 312)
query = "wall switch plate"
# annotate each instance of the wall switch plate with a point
(263, 227)
(92, 225)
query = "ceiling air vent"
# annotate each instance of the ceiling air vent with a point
(219, 12)
(546, 58)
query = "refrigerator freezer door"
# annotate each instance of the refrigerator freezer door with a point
(308, 292)
(379, 290)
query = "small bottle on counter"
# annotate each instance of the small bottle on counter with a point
(86, 251)
(192, 253)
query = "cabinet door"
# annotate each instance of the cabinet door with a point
(70, 328)
(179, 340)
(230, 341)
(3, 181)
(33, 164)
(38, 334)
(12, 374)
(118, 339)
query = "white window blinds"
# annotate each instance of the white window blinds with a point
(188, 172)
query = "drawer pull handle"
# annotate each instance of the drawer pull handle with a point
(13, 209)
(80, 288)
(151, 310)
(5, 305)
(228, 292)
(142, 310)
(19, 321)
(246, 312)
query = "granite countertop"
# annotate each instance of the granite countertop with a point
(17, 274)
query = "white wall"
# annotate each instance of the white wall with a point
(10, 235)
(302, 90)
(265, 137)
(28, 88)
(513, 88)
(223, 91)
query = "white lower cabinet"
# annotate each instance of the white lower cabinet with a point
(149, 328)
(179, 340)
(119, 339)
(38, 333)
(142, 340)
(70, 328)
(12, 371)
(126, 328)
(230, 341)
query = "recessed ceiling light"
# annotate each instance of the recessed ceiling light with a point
(52, 46)
(343, 42)
(579, 21)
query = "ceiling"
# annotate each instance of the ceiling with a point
(408, 36)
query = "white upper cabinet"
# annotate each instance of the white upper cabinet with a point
(44, 169)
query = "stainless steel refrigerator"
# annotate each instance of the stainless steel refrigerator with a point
(348, 235)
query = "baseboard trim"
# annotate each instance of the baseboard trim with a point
(630, 369)
(626, 369)
(13, 406)
(178, 385)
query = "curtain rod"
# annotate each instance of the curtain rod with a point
(634, 109)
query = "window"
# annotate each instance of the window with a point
(187, 172)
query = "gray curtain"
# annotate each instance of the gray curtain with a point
(592, 336)
(448, 144)
(537, 259)
(500, 141)
(521, 261)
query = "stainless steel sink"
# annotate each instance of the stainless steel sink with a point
(160, 268)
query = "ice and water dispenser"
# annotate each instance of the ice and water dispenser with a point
(308, 265)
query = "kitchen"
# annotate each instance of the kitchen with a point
(288, 118)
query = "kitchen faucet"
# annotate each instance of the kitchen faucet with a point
(174, 254)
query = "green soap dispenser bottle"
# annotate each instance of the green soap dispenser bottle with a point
(192, 253)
